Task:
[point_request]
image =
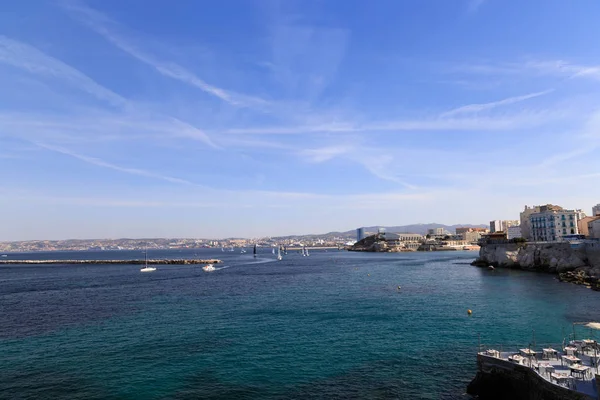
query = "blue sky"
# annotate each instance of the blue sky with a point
(146, 118)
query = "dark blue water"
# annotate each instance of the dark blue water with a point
(332, 325)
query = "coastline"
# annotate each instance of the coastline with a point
(135, 262)
(579, 264)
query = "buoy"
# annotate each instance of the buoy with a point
(398, 287)
(368, 274)
(469, 312)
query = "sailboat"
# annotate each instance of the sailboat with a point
(303, 251)
(306, 251)
(273, 250)
(146, 267)
(222, 249)
(279, 257)
(254, 251)
(243, 251)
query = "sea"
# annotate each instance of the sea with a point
(333, 325)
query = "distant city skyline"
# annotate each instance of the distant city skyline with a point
(257, 118)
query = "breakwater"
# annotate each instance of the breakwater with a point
(136, 262)
(578, 264)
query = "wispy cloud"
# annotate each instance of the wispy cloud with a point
(183, 129)
(531, 67)
(475, 108)
(109, 28)
(523, 119)
(29, 58)
(101, 163)
(474, 5)
(322, 154)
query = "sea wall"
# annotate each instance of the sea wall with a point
(579, 264)
(500, 379)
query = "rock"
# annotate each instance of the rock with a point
(576, 265)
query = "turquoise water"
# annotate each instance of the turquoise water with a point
(332, 325)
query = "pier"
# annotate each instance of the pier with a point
(135, 262)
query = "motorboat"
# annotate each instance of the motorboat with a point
(208, 268)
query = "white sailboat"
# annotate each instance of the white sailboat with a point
(306, 250)
(279, 257)
(243, 251)
(146, 267)
(273, 250)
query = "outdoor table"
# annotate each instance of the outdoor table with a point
(579, 370)
(588, 344)
(546, 368)
(527, 352)
(561, 377)
(570, 350)
(549, 353)
(570, 360)
(516, 359)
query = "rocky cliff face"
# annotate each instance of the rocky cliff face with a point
(577, 265)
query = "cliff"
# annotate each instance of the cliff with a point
(579, 264)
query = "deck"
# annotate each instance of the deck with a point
(574, 367)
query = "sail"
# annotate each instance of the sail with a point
(254, 250)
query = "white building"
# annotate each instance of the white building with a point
(513, 232)
(596, 210)
(502, 226)
(436, 232)
(495, 226)
(551, 224)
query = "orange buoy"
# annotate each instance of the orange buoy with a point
(469, 312)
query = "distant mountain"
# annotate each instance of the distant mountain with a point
(421, 229)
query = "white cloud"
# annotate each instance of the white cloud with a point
(319, 155)
(101, 163)
(29, 58)
(518, 120)
(475, 108)
(474, 5)
(108, 29)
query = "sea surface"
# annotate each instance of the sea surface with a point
(334, 325)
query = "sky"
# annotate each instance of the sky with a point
(155, 118)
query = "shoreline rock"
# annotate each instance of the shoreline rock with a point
(579, 265)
